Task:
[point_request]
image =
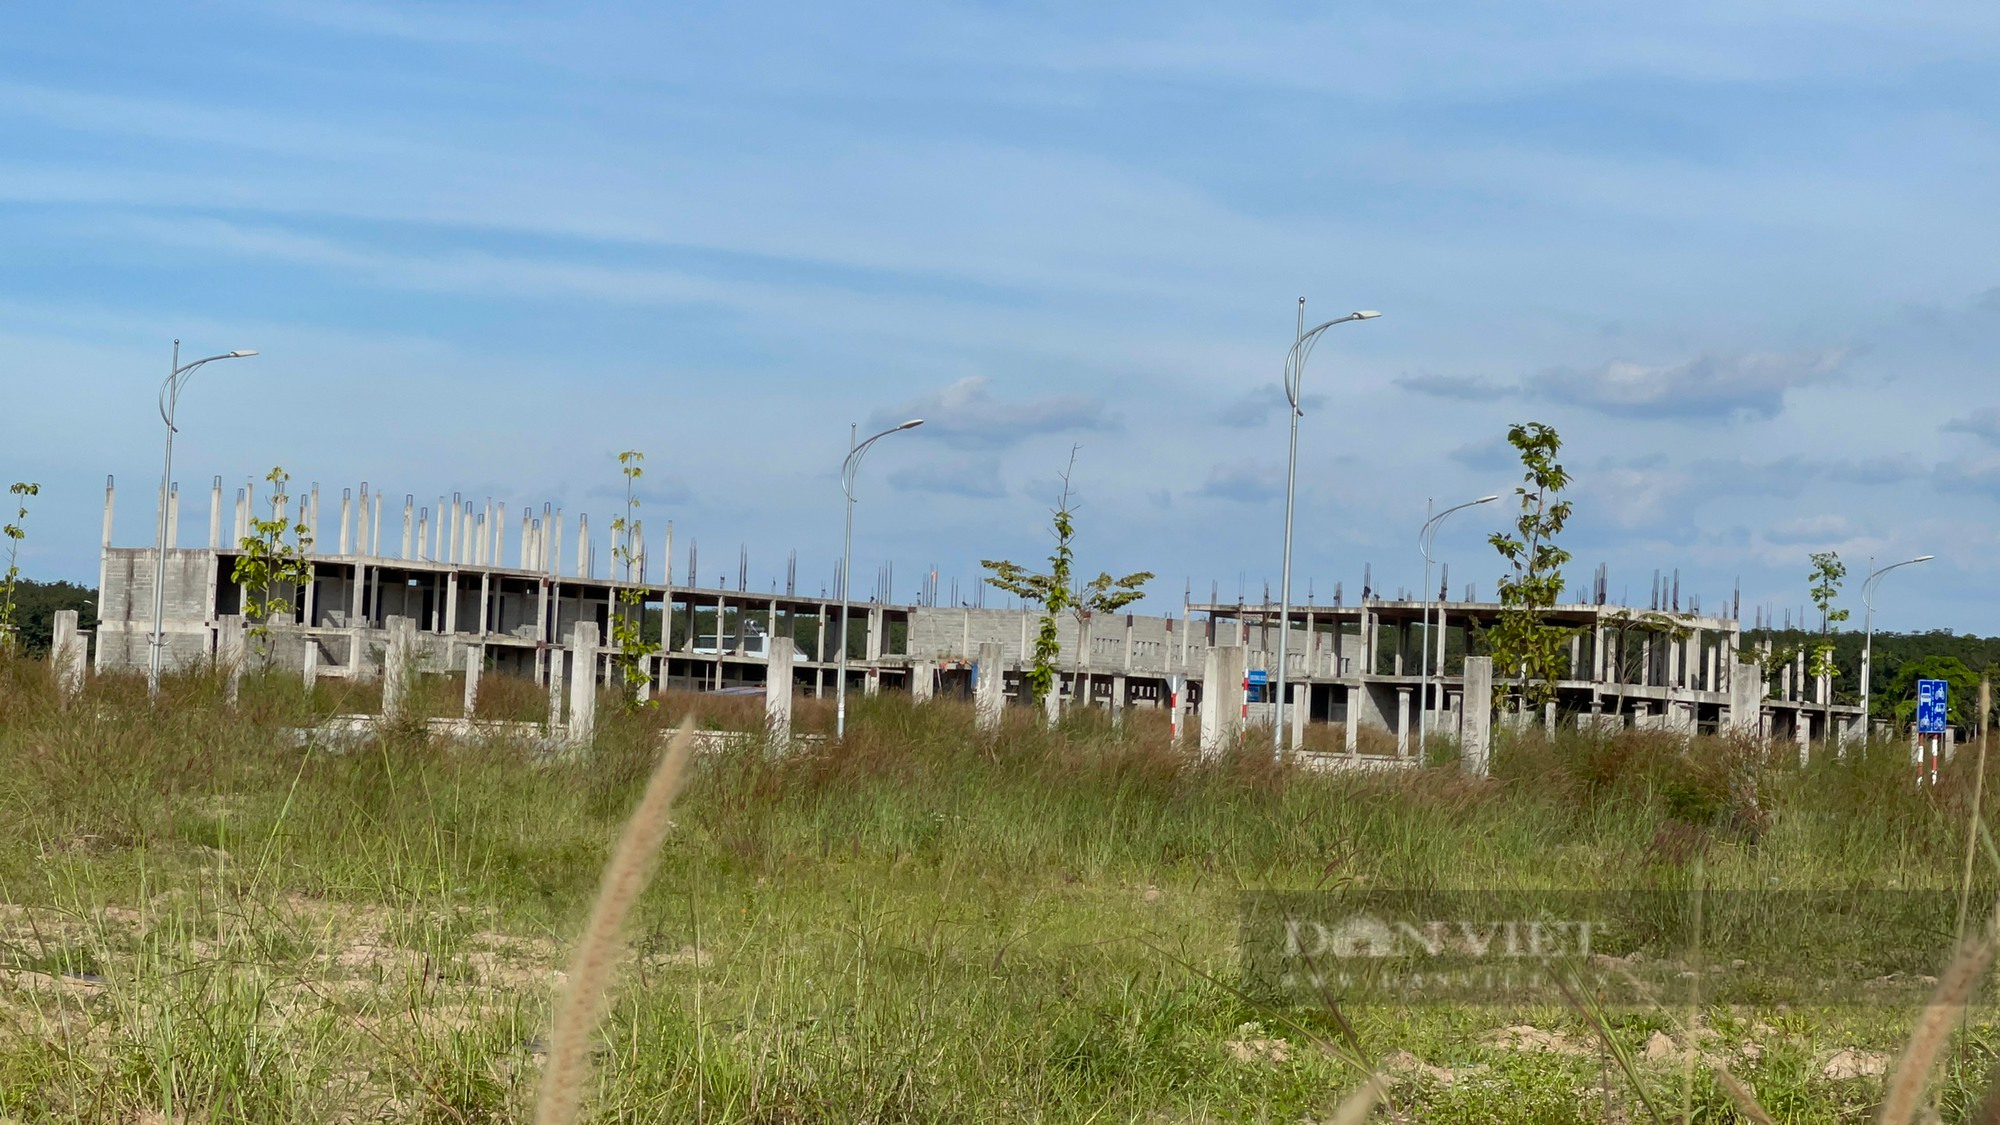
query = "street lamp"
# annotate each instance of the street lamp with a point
(1295, 369)
(1868, 616)
(1425, 538)
(848, 468)
(170, 393)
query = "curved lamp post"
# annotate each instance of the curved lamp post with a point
(1295, 368)
(848, 468)
(170, 393)
(1868, 645)
(1425, 538)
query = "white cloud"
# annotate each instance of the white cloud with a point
(966, 415)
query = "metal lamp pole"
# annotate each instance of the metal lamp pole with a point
(1868, 645)
(848, 468)
(170, 393)
(1295, 368)
(1425, 538)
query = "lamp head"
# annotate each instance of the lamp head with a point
(1366, 314)
(911, 424)
(241, 354)
(1486, 499)
(1923, 558)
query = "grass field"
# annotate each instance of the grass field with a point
(201, 920)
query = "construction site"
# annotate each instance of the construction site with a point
(1366, 681)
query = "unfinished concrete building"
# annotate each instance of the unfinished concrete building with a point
(483, 601)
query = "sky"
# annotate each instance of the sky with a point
(1741, 256)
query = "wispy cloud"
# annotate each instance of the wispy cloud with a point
(1708, 386)
(1249, 482)
(967, 415)
(975, 478)
(1466, 387)
(1983, 424)
(1256, 407)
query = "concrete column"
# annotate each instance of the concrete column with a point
(583, 684)
(872, 683)
(232, 652)
(485, 603)
(1118, 692)
(1351, 736)
(1549, 718)
(1475, 729)
(310, 675)
(398, 671)
(1223, 698)
(923, 679)
(1746, 702)
(1052, 702)
(67, 654)
(778, 691)
(346, 519)
(1301, 695)
(475, 663)
(1402, 720)
(989, 686)
(215, 514)
(556, 655)
(1802, 731)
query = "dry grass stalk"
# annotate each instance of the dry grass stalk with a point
(1744, 1099)
(1906, 1084)
(1360, 1103)
(587, 992)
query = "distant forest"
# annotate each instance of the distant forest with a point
(36, 605)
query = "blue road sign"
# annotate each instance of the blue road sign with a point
(1258, 677)
(1931, 696)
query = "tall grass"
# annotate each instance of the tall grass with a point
(201, 917)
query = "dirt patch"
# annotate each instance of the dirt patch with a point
(1527, 1037)
(1403, 1065)
(1852, 1062)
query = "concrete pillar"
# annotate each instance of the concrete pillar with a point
(1118, 690)
(232, 652)
(872, 683)
(583, 684)
(1402, 722)
(1475, 729)
(67, 654)
(923, 680)
(1223, 697)
(215, 514)
(1802, 731)
(398, 670)
(1301, 700)
(989, 685)
(1746, 702)
(556, 655)
(778, 690)
(310, 675)
(1549, 718)
(475, 663)
(1351, 736)
(1052, 702)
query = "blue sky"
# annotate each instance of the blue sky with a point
(1742, 256)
